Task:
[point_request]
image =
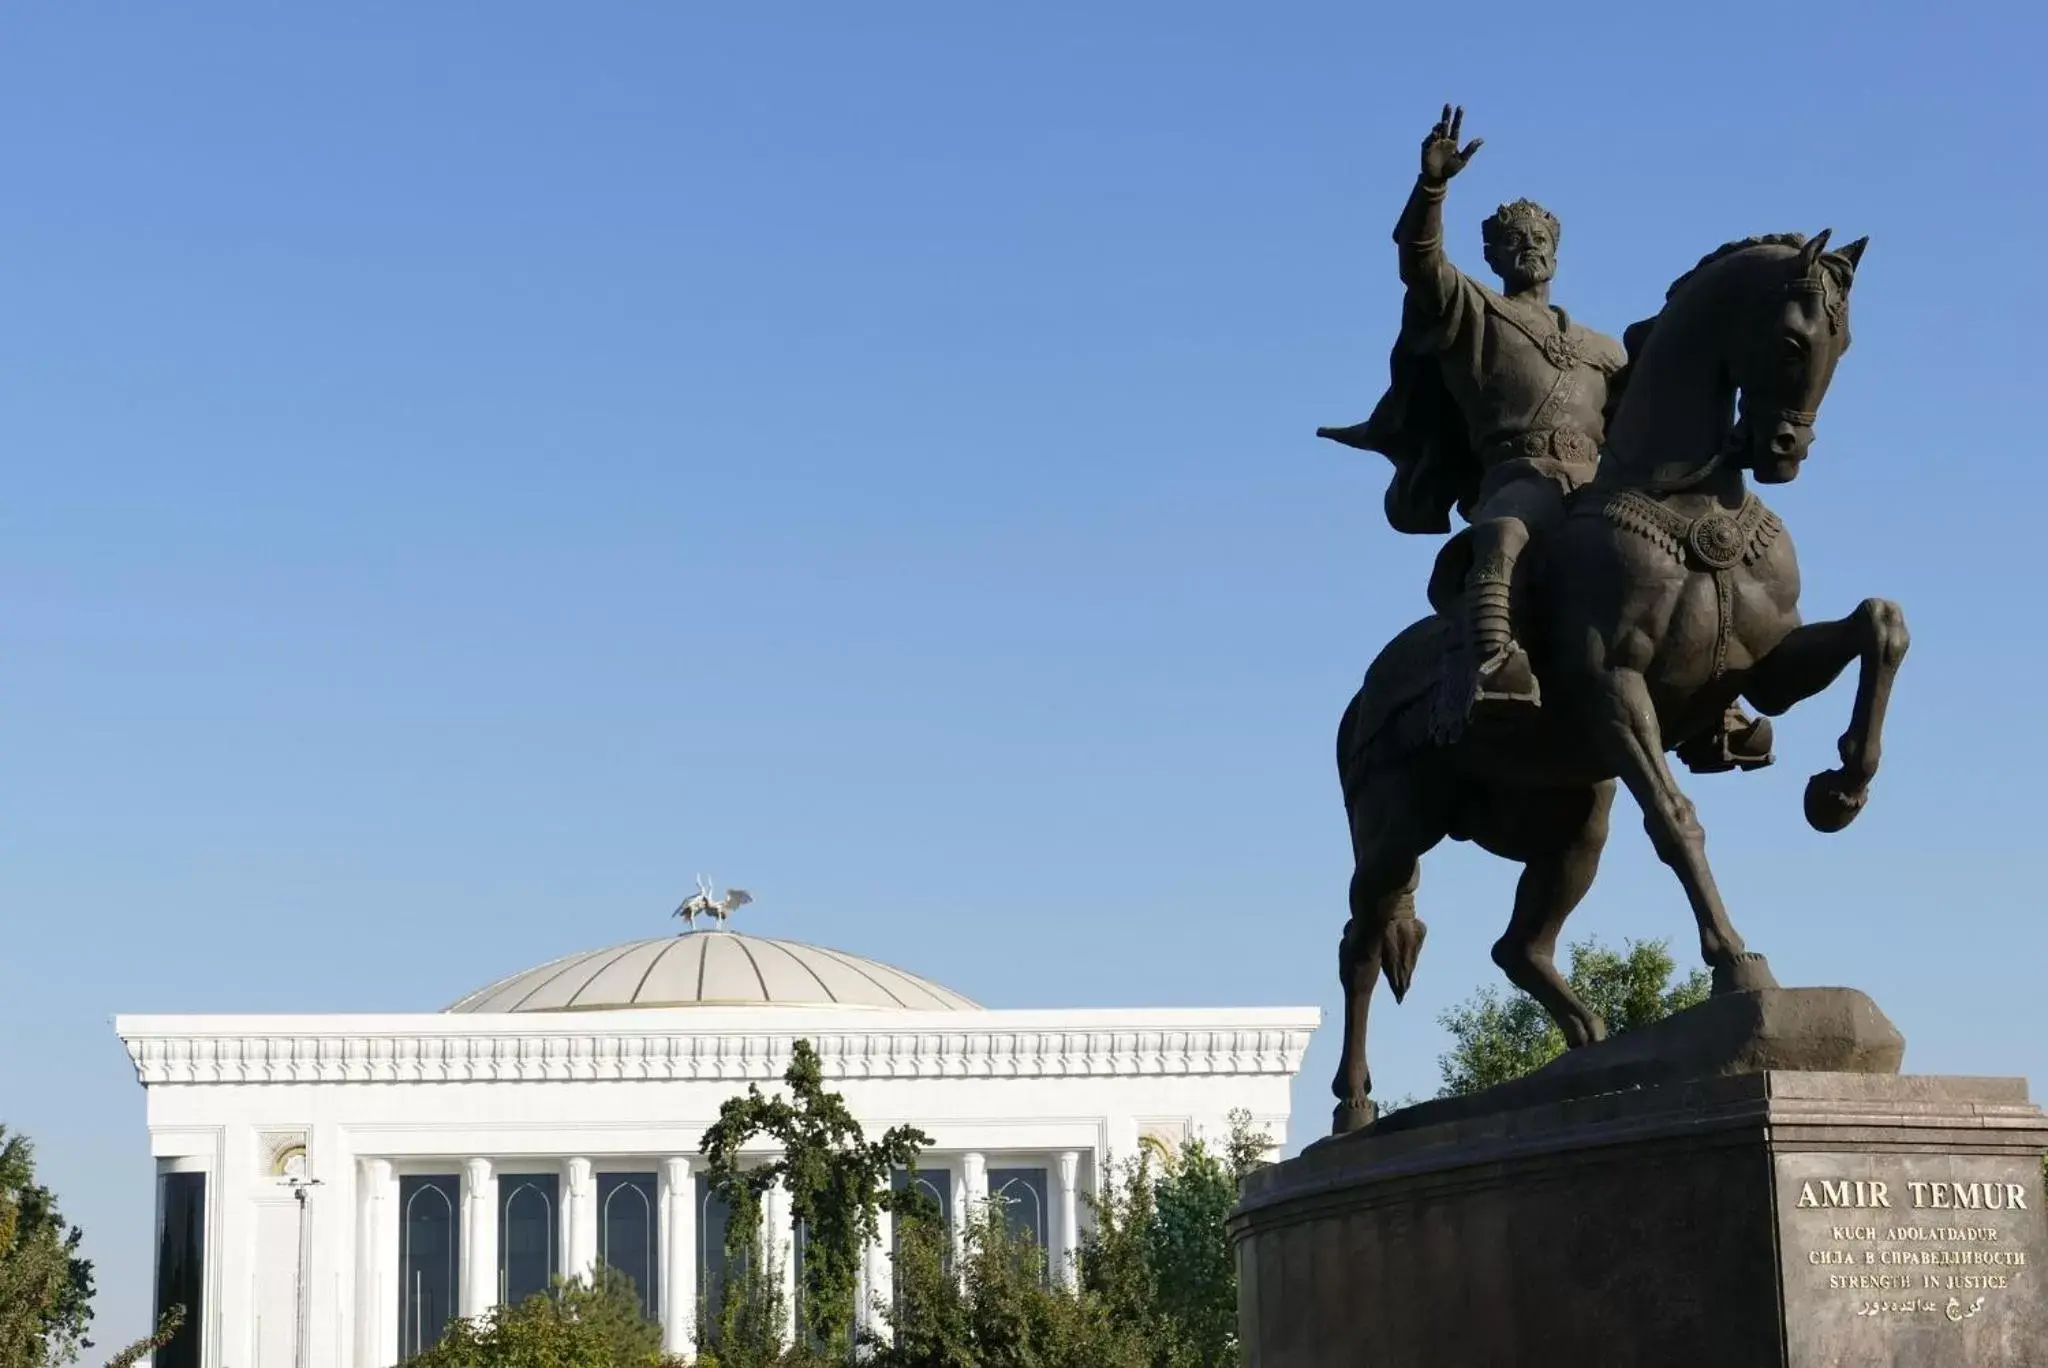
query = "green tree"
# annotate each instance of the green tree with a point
(167, 1325)
(927, 1315)
(1160, 1258)
(1496, 1038)
(998, 1309)
(1155, 1284)
(577, 1324)
(45, 1288)
(838, 1183)
(751, 1310)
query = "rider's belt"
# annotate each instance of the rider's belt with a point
(1568, 445)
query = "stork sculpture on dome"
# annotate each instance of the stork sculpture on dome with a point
(703, 904)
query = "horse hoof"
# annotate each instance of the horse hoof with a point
(1580, 1033)
(1746, 972)
(1353, 1116)
(1830, 803)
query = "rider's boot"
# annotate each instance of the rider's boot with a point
(1503, 680)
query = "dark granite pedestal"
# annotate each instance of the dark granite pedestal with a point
(1762, 1219)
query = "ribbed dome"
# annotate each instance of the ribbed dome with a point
(711, 969)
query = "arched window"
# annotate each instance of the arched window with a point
(628, 1235)
(937, 1184)
(1022, 1194)
(528, 1234)
(713, 1214)
(429, 1258)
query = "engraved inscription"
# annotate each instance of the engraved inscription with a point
(1909, 1247)
(1829, 1194)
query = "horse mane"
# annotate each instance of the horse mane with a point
(1727, 249)
(1636, 334)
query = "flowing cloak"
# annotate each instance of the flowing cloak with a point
(1417, 426)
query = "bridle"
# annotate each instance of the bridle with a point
(1815, 283)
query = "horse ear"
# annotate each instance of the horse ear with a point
(1853, 253)
(1810, 253)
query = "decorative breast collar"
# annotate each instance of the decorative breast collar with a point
(1716, 540)
(1714, 543)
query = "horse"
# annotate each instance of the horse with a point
(1666, 592)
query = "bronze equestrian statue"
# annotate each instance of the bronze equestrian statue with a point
(1619, 592)
(1499, 405)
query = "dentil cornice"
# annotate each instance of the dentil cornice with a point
(573, 1047)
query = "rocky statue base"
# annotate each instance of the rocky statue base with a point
(1750, 1184)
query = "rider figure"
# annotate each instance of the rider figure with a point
(1498, 405)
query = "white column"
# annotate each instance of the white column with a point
(330, 1255)
(958, 1182)
(972, 1201)
(678, 1257)
(1066, 1238)
(377, 1281)
(479, 1238)
(878, 1295)
(232, 1214)
(579, 1220)
(778, 1245)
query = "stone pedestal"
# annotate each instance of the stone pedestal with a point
(1763, 1219)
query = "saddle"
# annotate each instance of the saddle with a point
(1415, 694)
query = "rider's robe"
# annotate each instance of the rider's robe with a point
(1477, 380)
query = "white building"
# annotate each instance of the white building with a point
(331, 1189)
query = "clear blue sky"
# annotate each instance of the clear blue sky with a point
(470, 467)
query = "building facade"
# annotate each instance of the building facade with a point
(333, 1189)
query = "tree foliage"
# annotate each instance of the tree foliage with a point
(46, 1290)
(838, 1183)
(999, 1308)
(1496, 1038)
(1153, 1286)
(747, 1320)
(1159, 1257)
(577, 1324)
(167, 1326)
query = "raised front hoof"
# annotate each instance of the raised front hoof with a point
(1745, 973)
(1354, 1115)
(1831, 804)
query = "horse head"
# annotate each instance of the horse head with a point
(1784, 361)
(1733, 370)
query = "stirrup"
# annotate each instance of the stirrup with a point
(1721, 750)
(1506, 679)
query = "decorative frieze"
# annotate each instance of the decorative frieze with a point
(573, 1049)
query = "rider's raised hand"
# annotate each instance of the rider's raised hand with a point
(1442, 158)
